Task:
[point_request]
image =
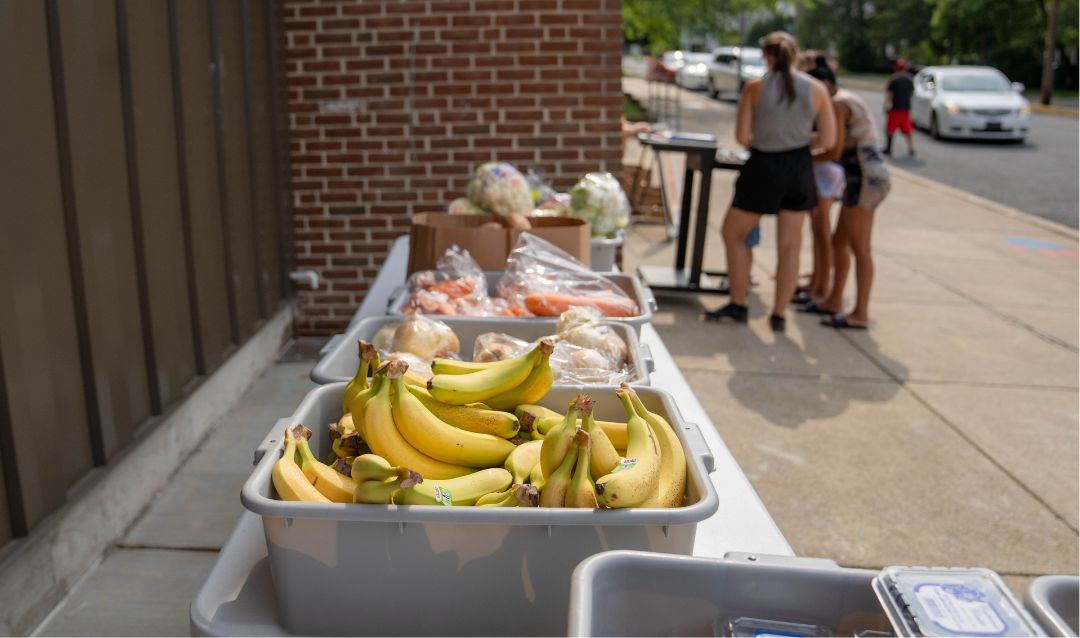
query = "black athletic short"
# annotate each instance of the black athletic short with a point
(773, 181)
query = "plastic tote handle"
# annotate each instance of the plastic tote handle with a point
(331, 344)
(273, 439)
(647, 358)
(649, 297)
(395, 296)
(776, 559)
(698, 447)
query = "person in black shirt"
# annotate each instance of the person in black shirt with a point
(898, 106)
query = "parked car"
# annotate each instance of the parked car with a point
(733, 67)
(970, 102)
(694, 72)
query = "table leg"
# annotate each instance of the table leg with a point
(685, 218)
(701, 224)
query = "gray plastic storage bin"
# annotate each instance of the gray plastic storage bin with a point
(630, 284)
(418, 570)
(641, 594)
(603, 251)
(340, 362)
(1054, 601)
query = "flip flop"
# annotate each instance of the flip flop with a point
(813, 309)
(801, 297)
(840, 322)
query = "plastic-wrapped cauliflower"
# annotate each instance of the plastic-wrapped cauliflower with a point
(500, 188)
(599, 199)
(462, 206)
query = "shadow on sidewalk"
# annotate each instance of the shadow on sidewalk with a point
(786, 382)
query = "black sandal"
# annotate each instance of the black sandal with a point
(734, 312)
(802, 297)
(840, 322)
(814, 309)
(777, 323)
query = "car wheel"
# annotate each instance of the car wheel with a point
(935, 130)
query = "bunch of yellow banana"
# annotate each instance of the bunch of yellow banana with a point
(576, 448)
(501, 385)
(408, 427)
(382, 483)
(308, 479)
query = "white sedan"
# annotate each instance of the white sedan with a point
(970, 102)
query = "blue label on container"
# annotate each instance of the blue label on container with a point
(960, 609)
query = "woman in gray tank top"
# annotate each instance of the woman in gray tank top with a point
(775, 121)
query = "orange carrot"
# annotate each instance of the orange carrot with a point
(553, 305)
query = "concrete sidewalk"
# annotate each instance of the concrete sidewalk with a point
(944, 435)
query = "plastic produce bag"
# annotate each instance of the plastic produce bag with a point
(539, 188)
(598, 198)
(457, 287)
(496, 346)
(463, 206)
(500, 188)
(418, 335)
(542, 279)
(574, 364)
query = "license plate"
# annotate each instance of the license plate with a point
(993, 126)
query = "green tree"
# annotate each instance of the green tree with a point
(659, 24)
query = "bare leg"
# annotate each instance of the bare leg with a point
(910, 146)
(788, 241)
(841, 263)
(821, 228)
(737, 225)
(860, 221)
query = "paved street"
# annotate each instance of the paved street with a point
(1038, 176)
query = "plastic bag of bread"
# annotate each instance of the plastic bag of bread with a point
(421, 336)
(497, 346)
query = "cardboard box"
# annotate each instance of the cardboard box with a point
(433, 233)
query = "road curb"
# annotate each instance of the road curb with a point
(992, 206)
(1048, 109)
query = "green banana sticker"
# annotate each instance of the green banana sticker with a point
(625, 464)
(443, 496)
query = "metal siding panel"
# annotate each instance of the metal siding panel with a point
(153, 125)
(237, 175)
(263, 153)
(100, 184)
(203, 190)
(39, 346)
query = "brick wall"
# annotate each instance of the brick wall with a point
(394, 102)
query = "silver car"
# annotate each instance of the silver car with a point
(733, 67)
(970, 102)
(694, 72)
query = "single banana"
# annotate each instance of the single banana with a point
(603, 458)
(358, 407)
(465, 490)
(558, 484)
(536, 435)
(534, 412)
(289, 479)
(455, 366)
(440, 440)
(346, 425)
(346, 446)
(672, 485)
(500, 377)
(557, 441)
(469, 417)
(616, 432)
(635, 479)
(497, 498)
(534, 387)
(522, 459)
(385, 440)
(332, 484)
(536, 477)
(582, 490)
(382, 492)
(372, 467)
(369, 360)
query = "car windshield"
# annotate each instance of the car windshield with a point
(752, 59)
(696, 58)
(974, 82)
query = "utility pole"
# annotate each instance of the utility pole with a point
(1048, 53)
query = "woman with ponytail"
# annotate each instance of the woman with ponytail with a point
(775, 120)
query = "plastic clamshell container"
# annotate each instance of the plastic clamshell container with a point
(340, 362)
(346, 569)
(603, 251)
(1054, 601)
(945, 601)
(630, 284)
(630, 593)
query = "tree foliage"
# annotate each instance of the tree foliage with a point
(1007, 34)
(660, 24)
